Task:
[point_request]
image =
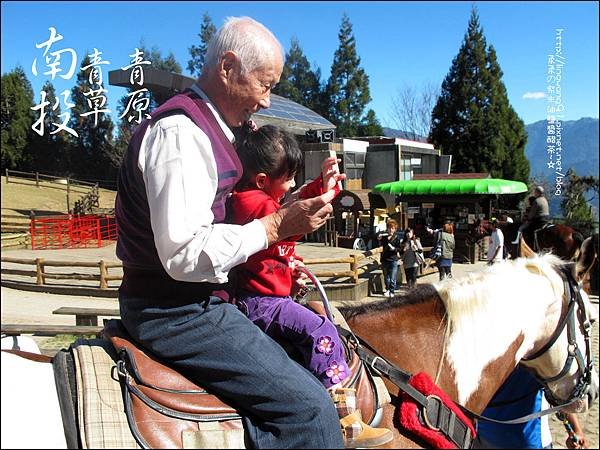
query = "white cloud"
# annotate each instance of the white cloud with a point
(534, 95)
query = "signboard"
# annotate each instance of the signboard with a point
(427, 205)
(412, 210)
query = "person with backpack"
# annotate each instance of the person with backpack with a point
(443, 249)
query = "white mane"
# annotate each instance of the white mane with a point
(488, 310)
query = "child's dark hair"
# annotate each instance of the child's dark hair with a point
(271, 150)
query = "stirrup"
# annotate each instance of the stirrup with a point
(367, 436)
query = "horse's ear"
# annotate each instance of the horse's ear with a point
(526, 251)
(585, 260)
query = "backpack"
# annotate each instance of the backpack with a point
(436, 251)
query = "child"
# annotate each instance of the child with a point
(271, 157)
(389, 256)
(411, 251)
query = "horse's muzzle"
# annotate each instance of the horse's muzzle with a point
(586, 402)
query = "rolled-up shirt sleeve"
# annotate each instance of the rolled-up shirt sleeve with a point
(180, 175)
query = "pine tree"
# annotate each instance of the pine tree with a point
(92, 147)
(50, 152)
(575, 206)
(348, 85)
(370, 126)
(473, 120)
(16, 118)
(198, 52)
(298, 82)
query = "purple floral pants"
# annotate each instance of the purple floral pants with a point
(314, 336)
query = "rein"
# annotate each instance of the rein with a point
(400, 378)
(435, 413)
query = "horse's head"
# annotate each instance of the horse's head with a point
(588, 254)
(562, 357)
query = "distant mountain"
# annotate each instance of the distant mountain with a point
(579, 147)
(579, 152)
(393, 133)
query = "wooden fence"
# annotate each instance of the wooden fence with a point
(42, 180)
(15, 231)
(359, 264)
(70, 185)
(38, 271)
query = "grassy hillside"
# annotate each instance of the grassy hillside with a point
(21, 198)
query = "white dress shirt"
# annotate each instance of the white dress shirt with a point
(180, 174)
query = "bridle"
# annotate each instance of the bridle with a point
(586, 365)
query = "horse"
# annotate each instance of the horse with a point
(561, 240)
(468, 334)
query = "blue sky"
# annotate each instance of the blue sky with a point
(399, 43)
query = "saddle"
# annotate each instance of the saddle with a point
(544, 226)
(166, 410)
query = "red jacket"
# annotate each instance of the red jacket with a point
(268, 272)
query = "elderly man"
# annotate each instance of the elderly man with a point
(177, 252)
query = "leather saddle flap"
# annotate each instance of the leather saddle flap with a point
(159, 382)
(367, 396)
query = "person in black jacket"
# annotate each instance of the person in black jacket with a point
(391, 242)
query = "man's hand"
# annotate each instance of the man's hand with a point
(298, 218)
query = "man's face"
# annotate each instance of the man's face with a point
(247, 94)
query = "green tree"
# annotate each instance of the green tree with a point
(578, 195)
(198, 52)
(16, 118)
(125, 126)
(94, 144)
(473, 120)
(298, 82)
(370, 125)
(50, 151)
(348, 85)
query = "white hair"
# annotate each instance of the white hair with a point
(252, 44)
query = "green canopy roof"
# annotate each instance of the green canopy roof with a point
(445, 187)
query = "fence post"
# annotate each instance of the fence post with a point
(354, 268)
(39, 269)
(103, 274)
(37, 179)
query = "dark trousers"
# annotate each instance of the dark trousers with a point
(411, 275)
(217, 347)
(445, 272)
(390, 272)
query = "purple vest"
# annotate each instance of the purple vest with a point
(135, 244)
